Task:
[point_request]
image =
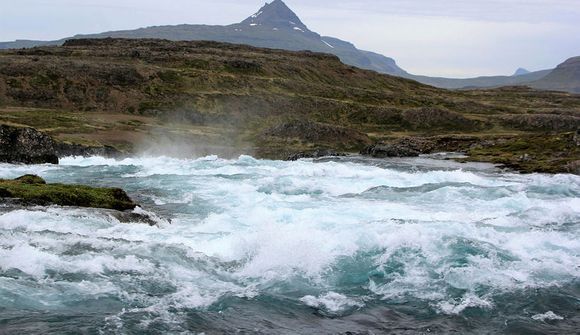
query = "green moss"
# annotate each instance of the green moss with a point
(14, 83)
(242, 66)
(225, 87)
(197, 64)
(33, 189)
(170, 77)
(549, 153)
(31, 180)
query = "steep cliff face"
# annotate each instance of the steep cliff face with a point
(276, 15)
(26, 145)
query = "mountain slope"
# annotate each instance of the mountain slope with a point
(133, 93)
(277, 26)
(521, 71)
(566, 77)
(273, 26)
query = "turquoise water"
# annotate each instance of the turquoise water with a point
(329, 246)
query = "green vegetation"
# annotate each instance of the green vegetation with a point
(32, 189)
(130, 93)
(532, 153)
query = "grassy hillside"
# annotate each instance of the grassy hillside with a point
(210, 96)
(277, 26)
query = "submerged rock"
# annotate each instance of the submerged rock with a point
(33, 190)
(132, 217)
(26, 145)
(73, 149)
(318, 153)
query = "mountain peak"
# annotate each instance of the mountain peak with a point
(276, 15)
(521, 71)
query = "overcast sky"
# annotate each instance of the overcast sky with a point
(452, 38)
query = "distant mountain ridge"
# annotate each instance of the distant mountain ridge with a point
(481, 82)
(276, 26)
(566, 77)
(521, 71)
(278, 16)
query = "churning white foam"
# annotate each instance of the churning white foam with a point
(332, 302)
(547, 316)
(247, 227)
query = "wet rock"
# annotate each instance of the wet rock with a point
(71, 149)
(415, 146)
(383, 150)
(131, 217)
(26, 145)
(32, 190)
(315, 154)
(404, 147)
(8, 204)
(573, 167)
(4, 193)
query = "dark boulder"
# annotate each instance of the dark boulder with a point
(26, 145)
(131, 217)
(383, 150)
(404, 147)
(415, 146)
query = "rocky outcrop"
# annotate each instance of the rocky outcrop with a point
(541, 122)
(383, 150)
(33, 190)
(26, 145)
(545, 153)
(316, 132)
(414, 146)
(436, 118)
(30, 146)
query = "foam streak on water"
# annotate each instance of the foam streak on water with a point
(338, 245)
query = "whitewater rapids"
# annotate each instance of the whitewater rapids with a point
(327, 246)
